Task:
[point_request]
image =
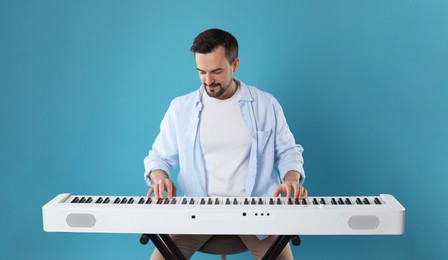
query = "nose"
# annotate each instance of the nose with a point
(208, 80)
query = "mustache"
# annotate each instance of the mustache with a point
(212, 85)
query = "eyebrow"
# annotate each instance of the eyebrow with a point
(215, 70)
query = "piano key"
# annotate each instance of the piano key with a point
(246, 201)
(82, 200)
(253, 201)
(377, 201)
(117, 200)
(159, 201)
(333, 201)
(131, 201)
(166, 201)
(173, 201)
(106, 200)
(227, 201)
(347, 201)
(99, 200)
(322, 201)
(315, 201)
(271, 201)
(75, 200)
(235, 201)
(202, 201)
(366, 201)
(148, 201)
(210, 202)
(289, 201)
(279, 201)
(260, 201)
(191, 201)
(216, 201)
(340, 201)
(141, 201)
(89, 199)
(184, 201)
(304, 202)
(123, 201)
(358, 201)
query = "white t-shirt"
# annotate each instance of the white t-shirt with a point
(225, 145)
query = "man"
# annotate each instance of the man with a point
(227, 138)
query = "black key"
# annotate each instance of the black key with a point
(279, 201)
(315, 201)
(235, 201)
(366, 201)
(246, 201)
(173, 201)
(159, 201)
(82, 200)
(216, 201)
(131, 200)
(304, 202)
(75, 200)
(358, 201)
(227, 201)
(296, 201)
(117, 200)
(322, 201)
(377, 201)
(260, 201)
(191, 201)
(123, 201)
(89, 200)
(184, 201)
(99, 200)
(333, 201)
(141, 201)
(271, 201)
(148, 201)
(202, 201)
(347, 201)
(253, 201)
(289, 201)
(106, 200)
(210, 202)
(340, 201)
(166, 201)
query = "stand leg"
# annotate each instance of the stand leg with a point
(173, 247)
(163, 249)
(278, 246)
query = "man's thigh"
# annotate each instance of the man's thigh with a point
(259, 247)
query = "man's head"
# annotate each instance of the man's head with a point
(208, 40)
(216, 55)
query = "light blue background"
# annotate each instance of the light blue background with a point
(84, 85)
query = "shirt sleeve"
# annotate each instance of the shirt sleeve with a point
(288, 154)
(164, 153)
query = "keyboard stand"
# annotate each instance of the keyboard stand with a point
(170, 251)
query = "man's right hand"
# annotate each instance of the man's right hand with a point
(161, 184)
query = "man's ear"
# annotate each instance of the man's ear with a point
(236, 64)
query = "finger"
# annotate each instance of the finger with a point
(162, 190)
(169, 188)
(156, 191)
(278, 191)
(305, 193)
(296, 189)
(150, 192)
(288, 190)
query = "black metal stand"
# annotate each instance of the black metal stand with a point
(170, 251)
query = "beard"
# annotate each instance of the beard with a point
(216, 90)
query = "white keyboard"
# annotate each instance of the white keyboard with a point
(353, 215)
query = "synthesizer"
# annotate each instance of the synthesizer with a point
(342, 215)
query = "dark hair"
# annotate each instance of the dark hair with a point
(210, 39)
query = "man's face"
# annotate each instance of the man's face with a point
(216, 73)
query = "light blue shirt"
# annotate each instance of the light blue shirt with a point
(272, 144)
